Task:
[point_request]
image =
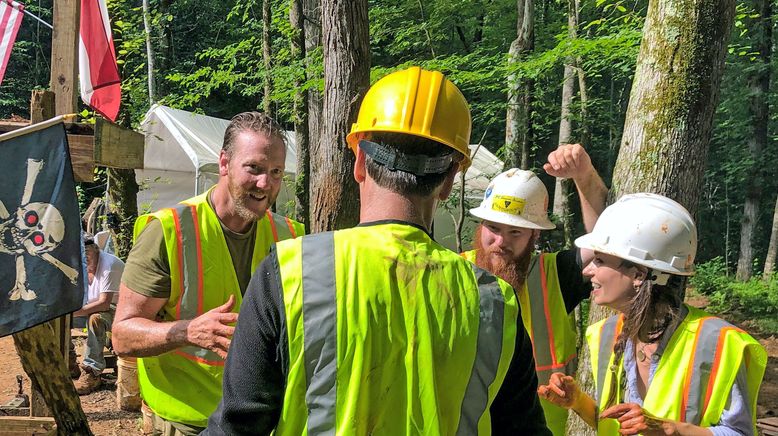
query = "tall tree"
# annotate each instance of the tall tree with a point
(346, 50)
(518, 120)
(668, 125)
(313, 52)
(266, 57)
(772, 249)
(149, 52)
(562, 187)
(759, 114)
(300, 114)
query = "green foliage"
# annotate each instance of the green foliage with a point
(755, 298)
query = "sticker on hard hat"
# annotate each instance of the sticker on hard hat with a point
(508, 204)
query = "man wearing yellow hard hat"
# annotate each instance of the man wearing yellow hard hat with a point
(378, 329)
(549, 285)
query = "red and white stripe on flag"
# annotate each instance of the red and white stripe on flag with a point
(98, 72)
(11, 15)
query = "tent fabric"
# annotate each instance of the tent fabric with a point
(182, 152)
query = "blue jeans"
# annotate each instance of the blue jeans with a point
(99, 324)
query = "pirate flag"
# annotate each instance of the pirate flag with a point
(41, 270)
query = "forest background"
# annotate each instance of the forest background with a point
(565, 67)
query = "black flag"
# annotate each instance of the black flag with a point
(41, 270)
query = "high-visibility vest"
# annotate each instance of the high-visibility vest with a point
(391, 333)
(185, 385)
(694, 375)
(550, 327)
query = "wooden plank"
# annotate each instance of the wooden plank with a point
(9, 126)
(81, 152)
(27, 426)
(64, 56)
(116, 146)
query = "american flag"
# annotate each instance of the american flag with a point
(11, 16)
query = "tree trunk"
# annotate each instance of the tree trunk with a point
(47, 369)
(334, 194)
(759, 112)
(772, 249)
(313, 64)
(562, 187)
(664, 147)
(149, 53)
(266, 18)
(518, 122)
(300, 115)
(123, 192)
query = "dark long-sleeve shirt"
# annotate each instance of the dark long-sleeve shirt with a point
(258, 362)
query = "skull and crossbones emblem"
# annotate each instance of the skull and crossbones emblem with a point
(34, 229)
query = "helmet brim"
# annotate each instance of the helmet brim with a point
(511, 220)
(590, 241)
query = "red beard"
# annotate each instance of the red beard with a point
(513, 270)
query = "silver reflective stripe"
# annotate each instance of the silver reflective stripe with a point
(190, 272)
(319, 324)
(282, 227)
(487, 355)
(607, 339)
(541, 344)
(704, 354)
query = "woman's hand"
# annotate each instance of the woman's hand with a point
(561, 390)
(634, 420)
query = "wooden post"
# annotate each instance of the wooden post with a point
(41, 106)
(64, 56)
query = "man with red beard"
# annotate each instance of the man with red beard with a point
(188, 269)
(549, 285)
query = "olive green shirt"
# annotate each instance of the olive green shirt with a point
(147, 270)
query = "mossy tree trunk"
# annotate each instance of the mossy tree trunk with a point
(518, 122)
(772, 248)
(123, 191)
(759, 115)
(346, 50)
(664, 146)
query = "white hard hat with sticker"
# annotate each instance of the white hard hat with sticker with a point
(516, 198)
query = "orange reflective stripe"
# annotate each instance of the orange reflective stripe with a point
(291, 227)
(690, 370)
(199, 359)
(272, 225)
(549, 324)
(199, 254)
(180, 251)
(715, 368)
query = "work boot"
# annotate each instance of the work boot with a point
(88, 382)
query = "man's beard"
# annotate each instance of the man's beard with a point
(513, 270)
(240, 197)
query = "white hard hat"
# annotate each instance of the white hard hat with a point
(649, 230)
(516, 198)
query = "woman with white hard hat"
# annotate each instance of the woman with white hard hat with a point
(660, 366)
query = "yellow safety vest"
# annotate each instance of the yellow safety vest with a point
(545, 318)
(695, 373)
(185, 385)
(391, 333)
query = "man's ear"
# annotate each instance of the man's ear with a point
(360, 171)
(448, 182)
(224, 162)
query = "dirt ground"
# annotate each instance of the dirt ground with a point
(105, 417)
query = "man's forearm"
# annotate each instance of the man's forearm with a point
(141, 337)
(592, 193)
(93, 307)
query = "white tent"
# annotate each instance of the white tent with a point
(181, 160)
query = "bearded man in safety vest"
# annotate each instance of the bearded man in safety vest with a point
(187, 272)
(378, 329)
(549, 285)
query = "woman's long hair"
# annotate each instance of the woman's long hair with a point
(652, 309)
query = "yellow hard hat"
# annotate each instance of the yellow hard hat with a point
(416, 102)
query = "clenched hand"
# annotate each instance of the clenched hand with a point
(568, 161)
